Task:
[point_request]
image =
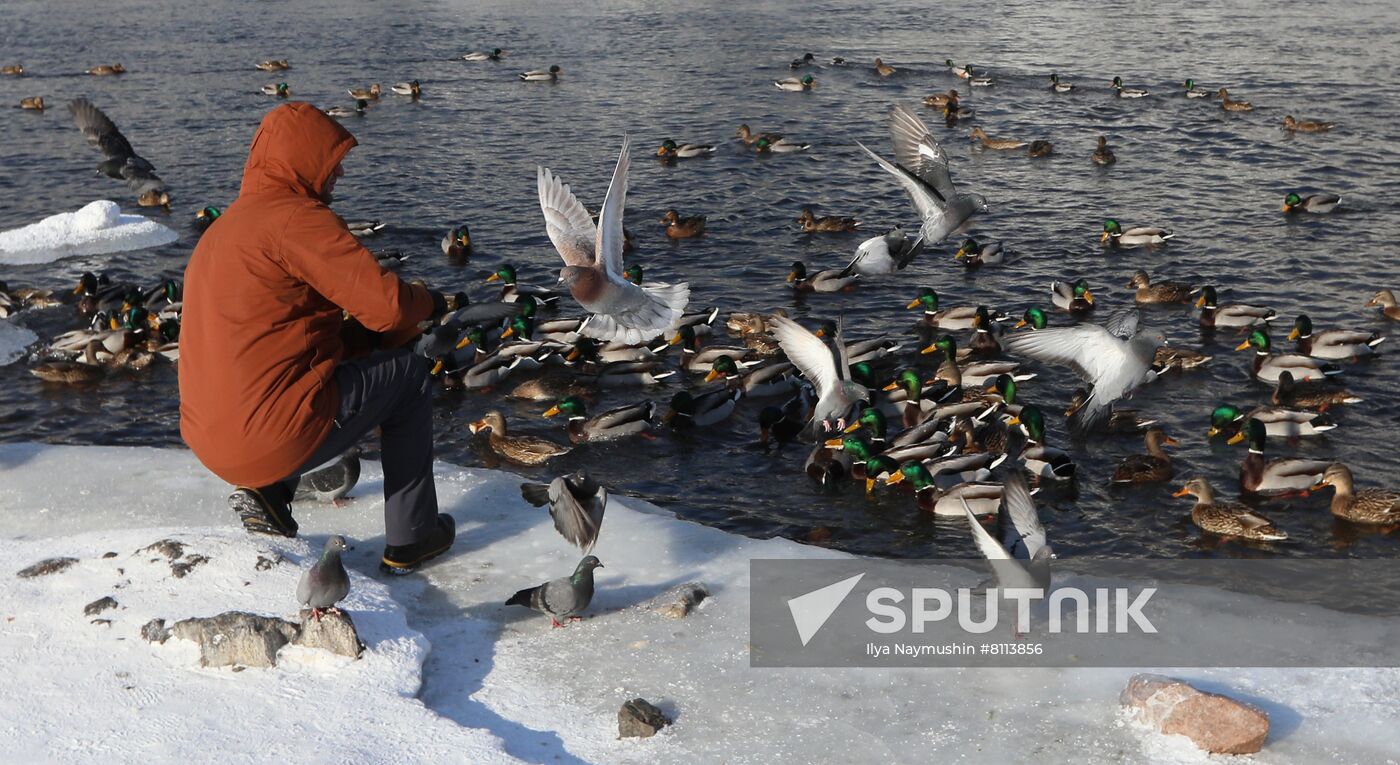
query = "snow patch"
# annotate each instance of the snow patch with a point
(96, 229)
(14, 339)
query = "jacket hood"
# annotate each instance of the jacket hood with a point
(295, 149)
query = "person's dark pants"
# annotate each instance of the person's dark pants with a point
(391, 390)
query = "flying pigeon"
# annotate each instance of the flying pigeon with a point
(564, 597)
(576, 503)
(593, 269)
(921, 167)
(326, 583)
(122, 162)
(839, 398)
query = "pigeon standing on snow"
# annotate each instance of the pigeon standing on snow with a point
(561, 598)
(326, 583)
(576, 503)
(332, 482)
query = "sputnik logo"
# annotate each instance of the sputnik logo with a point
(810, 611)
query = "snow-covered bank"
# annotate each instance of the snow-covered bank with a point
(503, 685)
(97, 228)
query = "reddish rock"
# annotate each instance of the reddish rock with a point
(1215, 723)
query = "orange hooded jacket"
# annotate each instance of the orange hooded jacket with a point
(264, 290)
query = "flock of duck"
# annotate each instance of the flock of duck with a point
(956, 438)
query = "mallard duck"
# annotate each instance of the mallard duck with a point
(279, 89)
(410, 88)
(1104, 155)
(1039, 148)
(830, 280)
(1232, 314)
(546, 75)
(1313, 203)
(1168, 358)
(745, 134)
(364, 228)
(1151, 467)
(1333, 343)
(1034, 318)
(857, 351)
(980, 81)
(1120, 421)
(1231, 105)
(995, 143)
(1268, 366)
(274, 65)
(1128, 92)
(913, 406)
(496, 54)
(551, 387)
(885, 254)
(983, 498)
(1162, 292)
(807, 58)
(1041, 460)
(13, 70)
(154, 198)
(1375, 507)
(1385, 300)
(1282, 476)
(883, 69)
(1115, 235)
(766, 380)
(764, 146)
(1287, 393)
(366, 94)
(85, 371)
(1058, 85)
(33, 103)
(701, 409)
(779, 425)
(1305, 126)
(1279, 422)
(346, 111)
(984, 334)
(811, 223)
(525, 450)
(861, 451)
(1194, 92)
(796, 83)
(940, 100)
(104, 70)
(513, 290)
(1227, 519)
(953, 111)
(961, 72)
(670, 150)
(630, 420)
(975, 254)
(953, 318)
(698, 360)
(683, 228)
(1074, 297)
(630, 374)
(457, 242)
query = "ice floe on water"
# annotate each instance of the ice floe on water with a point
(98, 228)
(14, 339)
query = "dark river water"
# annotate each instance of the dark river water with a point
(467, 151)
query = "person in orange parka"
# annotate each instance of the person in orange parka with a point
(274, 381)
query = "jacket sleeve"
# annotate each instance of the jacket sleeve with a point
(318, 249)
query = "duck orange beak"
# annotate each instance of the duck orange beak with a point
(1200, 301)
(550, 412)
(573, 355)
(675, 339)
(853, 427)
(1180, 492)
(1104, 237)
(869, 485)
(1015, 420)
(928, 350)
(895, 477)
(792, 276)
(1213, 432)
(1237, 438)
(912, 303)
(493, 278)
(1242, 346)
(464, 342)
(438, 366)
(713, 375)
(960, 254)
(509, 331)
(1020, 324)
(834, 443)
(661, 152)
(1288, 208)
(1169, 441)
(1088, 297)
(1294, 334)
(112, 322)
(476, 427)
(893, 385)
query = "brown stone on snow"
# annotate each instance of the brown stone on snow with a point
(46, 567)
(237, 638)
(333, 632)
(638, 718)
(1215, 723)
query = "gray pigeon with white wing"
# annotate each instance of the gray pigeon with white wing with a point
(326, 583)
(561, 598)
(1021, 559)
(1114, 358)
(621, 311)
(576, 503)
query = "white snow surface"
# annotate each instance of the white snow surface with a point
(497, 684)
(14, 339)
(98, 228)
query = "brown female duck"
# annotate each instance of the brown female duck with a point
(525, 450)
(1227, 519)
(1151, 467)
